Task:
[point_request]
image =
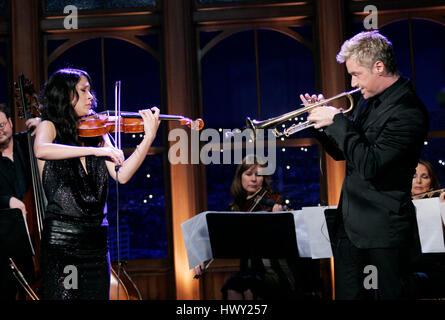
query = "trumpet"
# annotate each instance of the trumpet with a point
(274, 122)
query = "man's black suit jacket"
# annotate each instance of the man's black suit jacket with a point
(381, 153)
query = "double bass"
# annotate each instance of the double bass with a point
(34, 200)
(122, 286)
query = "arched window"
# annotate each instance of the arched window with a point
(259, 73)
(134, 62)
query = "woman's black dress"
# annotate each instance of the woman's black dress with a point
(74, 258)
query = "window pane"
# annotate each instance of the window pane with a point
(433, 152)
(138, 72)
(229, 82)
(59, 5)
(129, 3)
(219, 180)
(286, 70)
(297, 175)
(141, 211)
(429, 62)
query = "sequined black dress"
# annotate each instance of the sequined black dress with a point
(74, 256)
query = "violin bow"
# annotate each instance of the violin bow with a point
(257, 200)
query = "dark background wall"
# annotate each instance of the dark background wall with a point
(222, 61)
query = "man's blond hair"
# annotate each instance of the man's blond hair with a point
(366, 48)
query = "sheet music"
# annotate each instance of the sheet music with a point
(442, 211)
(303, 243)
(315, 222)
(310, 228)
(430, 214)
(196, 240)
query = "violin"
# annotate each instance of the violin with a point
(101, 123)
(263, 201)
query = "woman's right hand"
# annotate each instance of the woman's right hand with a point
(114, 154)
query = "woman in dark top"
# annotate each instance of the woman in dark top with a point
(74, 253)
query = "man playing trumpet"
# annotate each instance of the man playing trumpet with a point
(381, 143)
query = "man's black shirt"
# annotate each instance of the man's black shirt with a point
(14, 174)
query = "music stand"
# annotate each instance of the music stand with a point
(14, 236)
(247, 235)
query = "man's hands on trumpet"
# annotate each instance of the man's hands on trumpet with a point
(322, 116)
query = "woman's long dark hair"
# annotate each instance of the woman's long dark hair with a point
(57, 97)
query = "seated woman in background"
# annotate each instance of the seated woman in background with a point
(263, 278)
(424, 180)
(427, 270)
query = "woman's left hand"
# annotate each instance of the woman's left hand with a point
(442, 197)
(151, 122)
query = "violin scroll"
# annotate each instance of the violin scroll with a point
(198, 124)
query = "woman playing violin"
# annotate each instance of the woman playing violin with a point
(74, 257)
(249, 185)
